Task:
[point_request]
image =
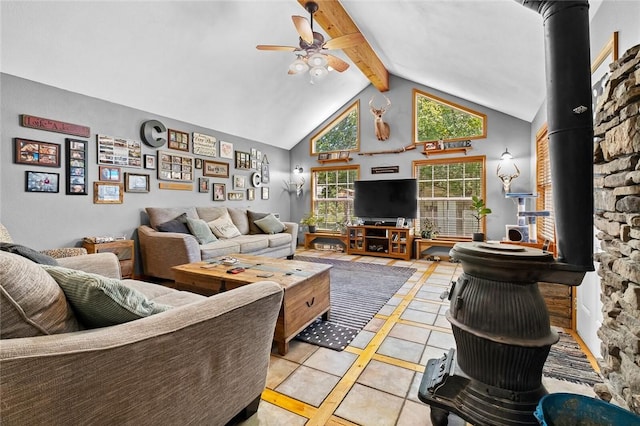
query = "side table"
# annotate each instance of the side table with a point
(124, 249)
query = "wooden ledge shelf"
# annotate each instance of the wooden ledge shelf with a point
(335, 160)
(462, 150)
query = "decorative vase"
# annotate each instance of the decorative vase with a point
(312, 229)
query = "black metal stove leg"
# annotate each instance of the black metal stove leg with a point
(439, 417)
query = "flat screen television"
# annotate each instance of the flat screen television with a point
(386, 199)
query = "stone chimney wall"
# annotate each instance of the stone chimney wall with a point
(617, 217)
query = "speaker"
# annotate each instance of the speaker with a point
(517, 233)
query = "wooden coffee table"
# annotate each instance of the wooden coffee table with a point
(306, 288)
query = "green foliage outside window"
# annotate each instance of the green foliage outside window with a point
(437, 119)
(333, 197)
(342, 134)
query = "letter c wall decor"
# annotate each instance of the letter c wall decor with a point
(147, 130)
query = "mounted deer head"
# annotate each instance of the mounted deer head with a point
(507, 179)
(382, 128)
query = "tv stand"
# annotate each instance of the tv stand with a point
(378, 240)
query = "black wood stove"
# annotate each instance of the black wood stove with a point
(499, 319)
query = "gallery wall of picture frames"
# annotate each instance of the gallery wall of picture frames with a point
(113, 154)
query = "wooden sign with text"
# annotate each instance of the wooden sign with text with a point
(54, 126)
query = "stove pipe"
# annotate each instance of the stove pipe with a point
(570, 126)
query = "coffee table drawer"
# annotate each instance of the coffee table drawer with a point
(304, 302)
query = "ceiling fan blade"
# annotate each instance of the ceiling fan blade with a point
(271, 47)
(344, 41)
(303, 28)
(337, 63)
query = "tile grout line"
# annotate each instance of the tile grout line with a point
(340, 391)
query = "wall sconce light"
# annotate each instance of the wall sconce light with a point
(298, 181)
(504, 176)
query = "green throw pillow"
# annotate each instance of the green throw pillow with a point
(200, 229)
(270, 224)
(99, 301)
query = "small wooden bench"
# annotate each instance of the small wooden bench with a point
(424, 244)
(310, 237)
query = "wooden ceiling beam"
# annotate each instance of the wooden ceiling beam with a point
(332, 17)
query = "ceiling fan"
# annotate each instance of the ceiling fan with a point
(311, 53)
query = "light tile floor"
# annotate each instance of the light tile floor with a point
(374, 382)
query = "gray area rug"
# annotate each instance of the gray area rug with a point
(358, 291)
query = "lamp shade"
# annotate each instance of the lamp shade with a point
(506, 155)
(317, 60)
(298, 66)
(318, 72)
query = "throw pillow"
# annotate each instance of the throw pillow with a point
(223, 227)
(179, 224)
(253, 216)
(270, 224)
(29, 253)
(200, 229)
(31, 303)
(99, 301)
(239, 219)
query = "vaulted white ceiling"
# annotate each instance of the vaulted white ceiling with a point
(197, 61)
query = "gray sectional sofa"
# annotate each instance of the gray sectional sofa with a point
(160, 251)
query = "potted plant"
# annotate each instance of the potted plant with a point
(429, 229)
(480, 210)
(311, 220)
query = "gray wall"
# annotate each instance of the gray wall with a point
(502, 131)
(41, 220)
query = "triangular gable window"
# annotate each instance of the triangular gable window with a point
(341, 134)
(437, 119)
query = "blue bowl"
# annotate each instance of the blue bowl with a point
(567, 409)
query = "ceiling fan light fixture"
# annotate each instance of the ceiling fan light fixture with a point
(317, 60)
(318, 73)
(298, 66)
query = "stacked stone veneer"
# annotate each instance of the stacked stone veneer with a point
(617, 203)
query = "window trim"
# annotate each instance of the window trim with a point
(326, 129)
(451, 104)
(542, 203)
(355, 167)
(466, 159)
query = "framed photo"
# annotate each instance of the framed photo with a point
(219, 192)
(259, 156)
(37, 153)
(198, 163)
(107, 193)
(109, 174)
(400, 222)
(204, 145)
(135, 182)
(122, 152)
(243, 160)
(150, 161)
(251, 194)
(77, 174)
(176, 167)
(344, 155)
(235, 196)
(265, 172)
(42, 182)
(239, 182)
(324, 156)
(265, 193)
(226, 150)
(429, 146)
(215, 168)
(178, 140)
(203, 184)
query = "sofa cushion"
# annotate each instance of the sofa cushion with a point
(281, 239)
(165, 295)
(219, 248)
(29, 253)
(31, 303)
(270, 224)
(158, 215)
(178, 224)
(239, 219)
(209, 214)
(100, 301)
(200, 229)
(223, 227)
(252, 243)
(252, 217)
